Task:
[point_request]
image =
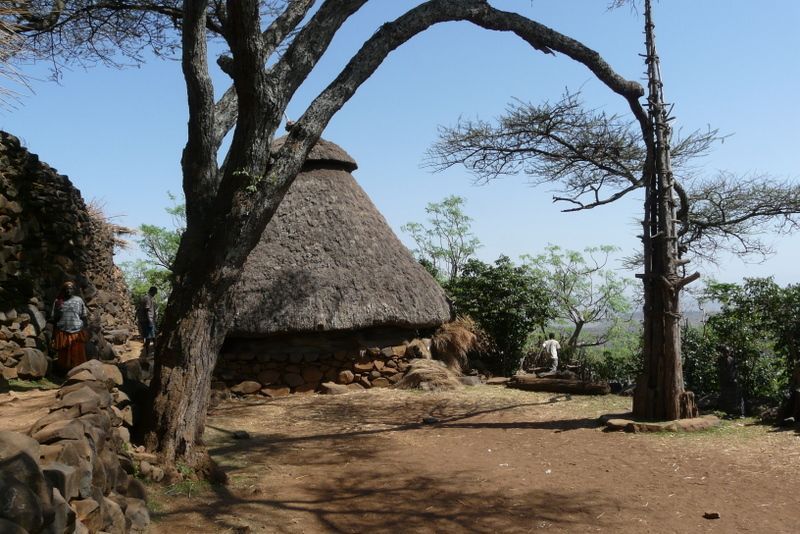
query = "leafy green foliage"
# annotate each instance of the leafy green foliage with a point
(160, 245)
(140, 275)
(447, 242)
(759, 325)
(507, 301)
(617, 360)
(583, 291)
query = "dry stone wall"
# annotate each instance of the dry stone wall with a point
(48, 236)
(256, 366)
(73, 472)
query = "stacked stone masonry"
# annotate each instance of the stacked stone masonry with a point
(251, 366)
(73, 472)
(49, 236)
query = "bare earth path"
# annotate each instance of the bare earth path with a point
(498, 461)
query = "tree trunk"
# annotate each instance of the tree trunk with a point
(187, 356)
(659, 391)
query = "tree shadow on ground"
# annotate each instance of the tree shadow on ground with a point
(402, 503)
(334, 465)
(361, 423)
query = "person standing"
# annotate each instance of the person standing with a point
(69, 314)
(551, 347)
(146, 316)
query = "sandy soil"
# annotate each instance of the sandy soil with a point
(498, 460)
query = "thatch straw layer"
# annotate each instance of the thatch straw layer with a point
(328, 261)
(430, 375)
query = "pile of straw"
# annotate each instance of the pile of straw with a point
(430, 375)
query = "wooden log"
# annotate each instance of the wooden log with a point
(558, 385)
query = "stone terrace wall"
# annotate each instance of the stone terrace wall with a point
(73, 473)
(48, 236)
(302, 364)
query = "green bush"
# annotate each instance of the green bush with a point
(619, 360)
(507, 301)
(758, 324)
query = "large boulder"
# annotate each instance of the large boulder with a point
(33, 364)
(19, 504)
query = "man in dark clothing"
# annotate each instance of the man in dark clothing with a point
(146, 316)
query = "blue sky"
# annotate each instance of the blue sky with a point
(731, 64)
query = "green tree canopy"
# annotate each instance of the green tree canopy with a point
(446, 243)
(508, 301)
(582, 291)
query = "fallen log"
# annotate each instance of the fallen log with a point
(558, 385)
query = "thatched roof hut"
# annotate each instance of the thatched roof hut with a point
(328, 262)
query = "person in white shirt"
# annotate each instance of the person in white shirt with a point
(551, 347)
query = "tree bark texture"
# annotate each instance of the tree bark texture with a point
(660, 391)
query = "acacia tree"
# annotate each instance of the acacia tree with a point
(272, 48)
(582, 290)
(447, 242)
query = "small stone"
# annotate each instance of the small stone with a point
(13, 443)
(711, 515)
(331, 388)
(395, 378)
(247, 387)
(380, 383)
(113, 518)
(8, 373)
(65, 429)
(293, 380)
(275, 392)
(312, 375)
(269, 377)
(305, 389)
(363, 366)
(346, 377)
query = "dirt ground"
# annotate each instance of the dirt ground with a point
(498, 460)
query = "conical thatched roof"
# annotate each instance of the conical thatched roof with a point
(329, 261)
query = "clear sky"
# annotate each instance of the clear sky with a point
(731, 64)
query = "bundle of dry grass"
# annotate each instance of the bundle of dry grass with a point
(430, 375)
(453, 342)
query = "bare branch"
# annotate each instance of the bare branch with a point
(732, 213)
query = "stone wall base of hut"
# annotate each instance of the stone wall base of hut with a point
(285, 364)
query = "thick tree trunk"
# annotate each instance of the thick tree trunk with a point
(572, 342)
(660, 391)
(183, 377)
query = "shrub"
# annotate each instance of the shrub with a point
(507, 301)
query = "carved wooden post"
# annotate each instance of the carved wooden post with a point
(660, 393)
